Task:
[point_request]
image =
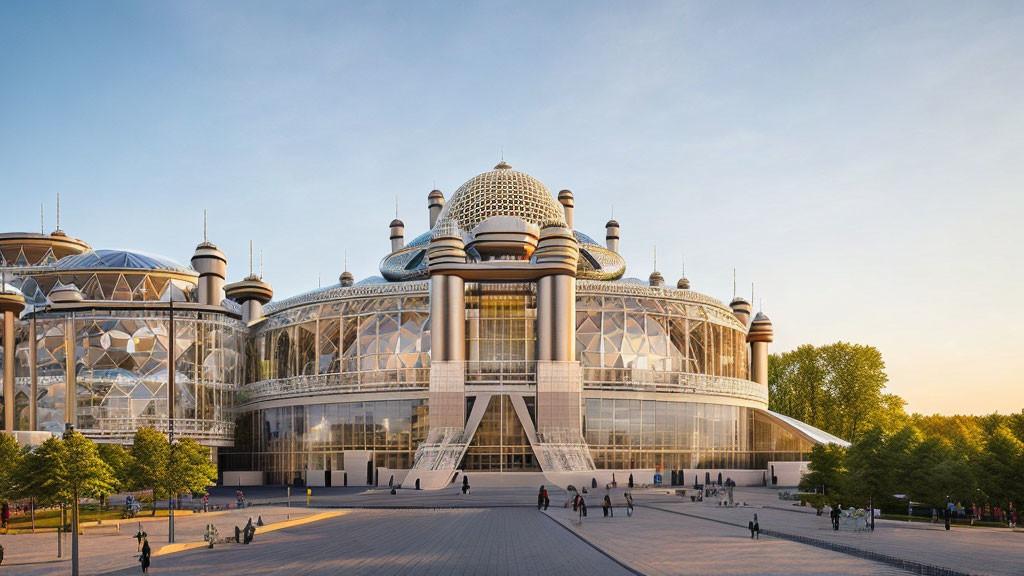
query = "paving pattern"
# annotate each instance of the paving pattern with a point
(500, 531)
(466, 541)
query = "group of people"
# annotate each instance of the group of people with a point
(144, 551)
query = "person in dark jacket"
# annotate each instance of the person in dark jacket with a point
(465, 484)
(144, 558)
(540, 498)
(606, 506)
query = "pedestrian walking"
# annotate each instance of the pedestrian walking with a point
(465, 484)
(145, 557)
(140, 536)
(540, 498)
(606, 506)
(547, 500)
(755, 529)
(629, 503)
(5, 514)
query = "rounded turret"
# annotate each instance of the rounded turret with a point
(252, 293)
(760, 329)
(435, 203)
(565, 198)
(611, 235)
(656, 279)
(683, 283)
(65, 294)
(212, 265)
(741, 309)
(346, 279)
(397, 235)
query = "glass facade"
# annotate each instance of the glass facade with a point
(500, 443)
(118, 365)
(288, 441)
(618, 334)
(627, 433)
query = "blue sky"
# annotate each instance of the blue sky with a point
(861, 162)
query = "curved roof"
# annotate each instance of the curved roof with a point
(814, 434)
(500, 192)
(120, 260)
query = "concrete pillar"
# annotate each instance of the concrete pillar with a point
(33, 372)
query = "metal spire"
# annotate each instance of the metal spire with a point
(655, 257)
(261, 264)
(204, 225)
(58, 211)
(684, 264)
(346, 260)
(250, 257)
(42, 227)
(734, 283)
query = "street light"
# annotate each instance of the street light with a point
(69, 428)
(170, 408)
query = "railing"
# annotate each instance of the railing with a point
(501, 372)
(204, 431)
(654, 381)
(347, 383)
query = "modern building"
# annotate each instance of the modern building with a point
(500, 340)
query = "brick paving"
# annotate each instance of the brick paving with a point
(658, 543)
(428, 542)
(499, 531)
(982, 551)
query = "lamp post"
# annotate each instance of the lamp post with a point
(68, 429)
(170, 408)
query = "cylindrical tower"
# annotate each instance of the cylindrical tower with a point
(252, 293)
(556, 295)
(565, 198)
(759, 335)
(212, 266)
(397, 235)
(435, 202)
(611, 235)
(11, 305)
(741, 310)
(447, 300)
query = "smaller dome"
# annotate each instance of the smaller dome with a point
(563, 194)
(120, 259)
(435, 193)
(397, 223)
(612, 224)
(502, 166)
(346, 278)
(656, 279)
(683, 283)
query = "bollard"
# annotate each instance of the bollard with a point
(309, 495)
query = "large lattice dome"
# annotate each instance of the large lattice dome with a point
(500, 192)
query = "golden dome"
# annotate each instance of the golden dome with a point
(500, 192)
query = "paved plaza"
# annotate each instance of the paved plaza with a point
(500, 531)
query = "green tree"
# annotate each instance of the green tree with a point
(838, 388)
(190, 470)
(10, 459)
(826, 468)
(120, 462)
(1001, 467)
(150, 455)
(40, 471)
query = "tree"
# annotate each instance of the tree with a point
(837, 388)
(39, 473)
(190, 470)
(120, 462)
(10, 459)
(1001, 467)
(150, 455)
(826, 468)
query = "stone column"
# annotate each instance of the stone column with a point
(11, 304)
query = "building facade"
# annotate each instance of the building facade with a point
(500, 340)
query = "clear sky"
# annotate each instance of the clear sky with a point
(862, 162)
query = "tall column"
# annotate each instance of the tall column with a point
(33, 373)
(447, 393)
(212, 266)
(759, 335)
(11, 304)
(70, 378)
(559, 386)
